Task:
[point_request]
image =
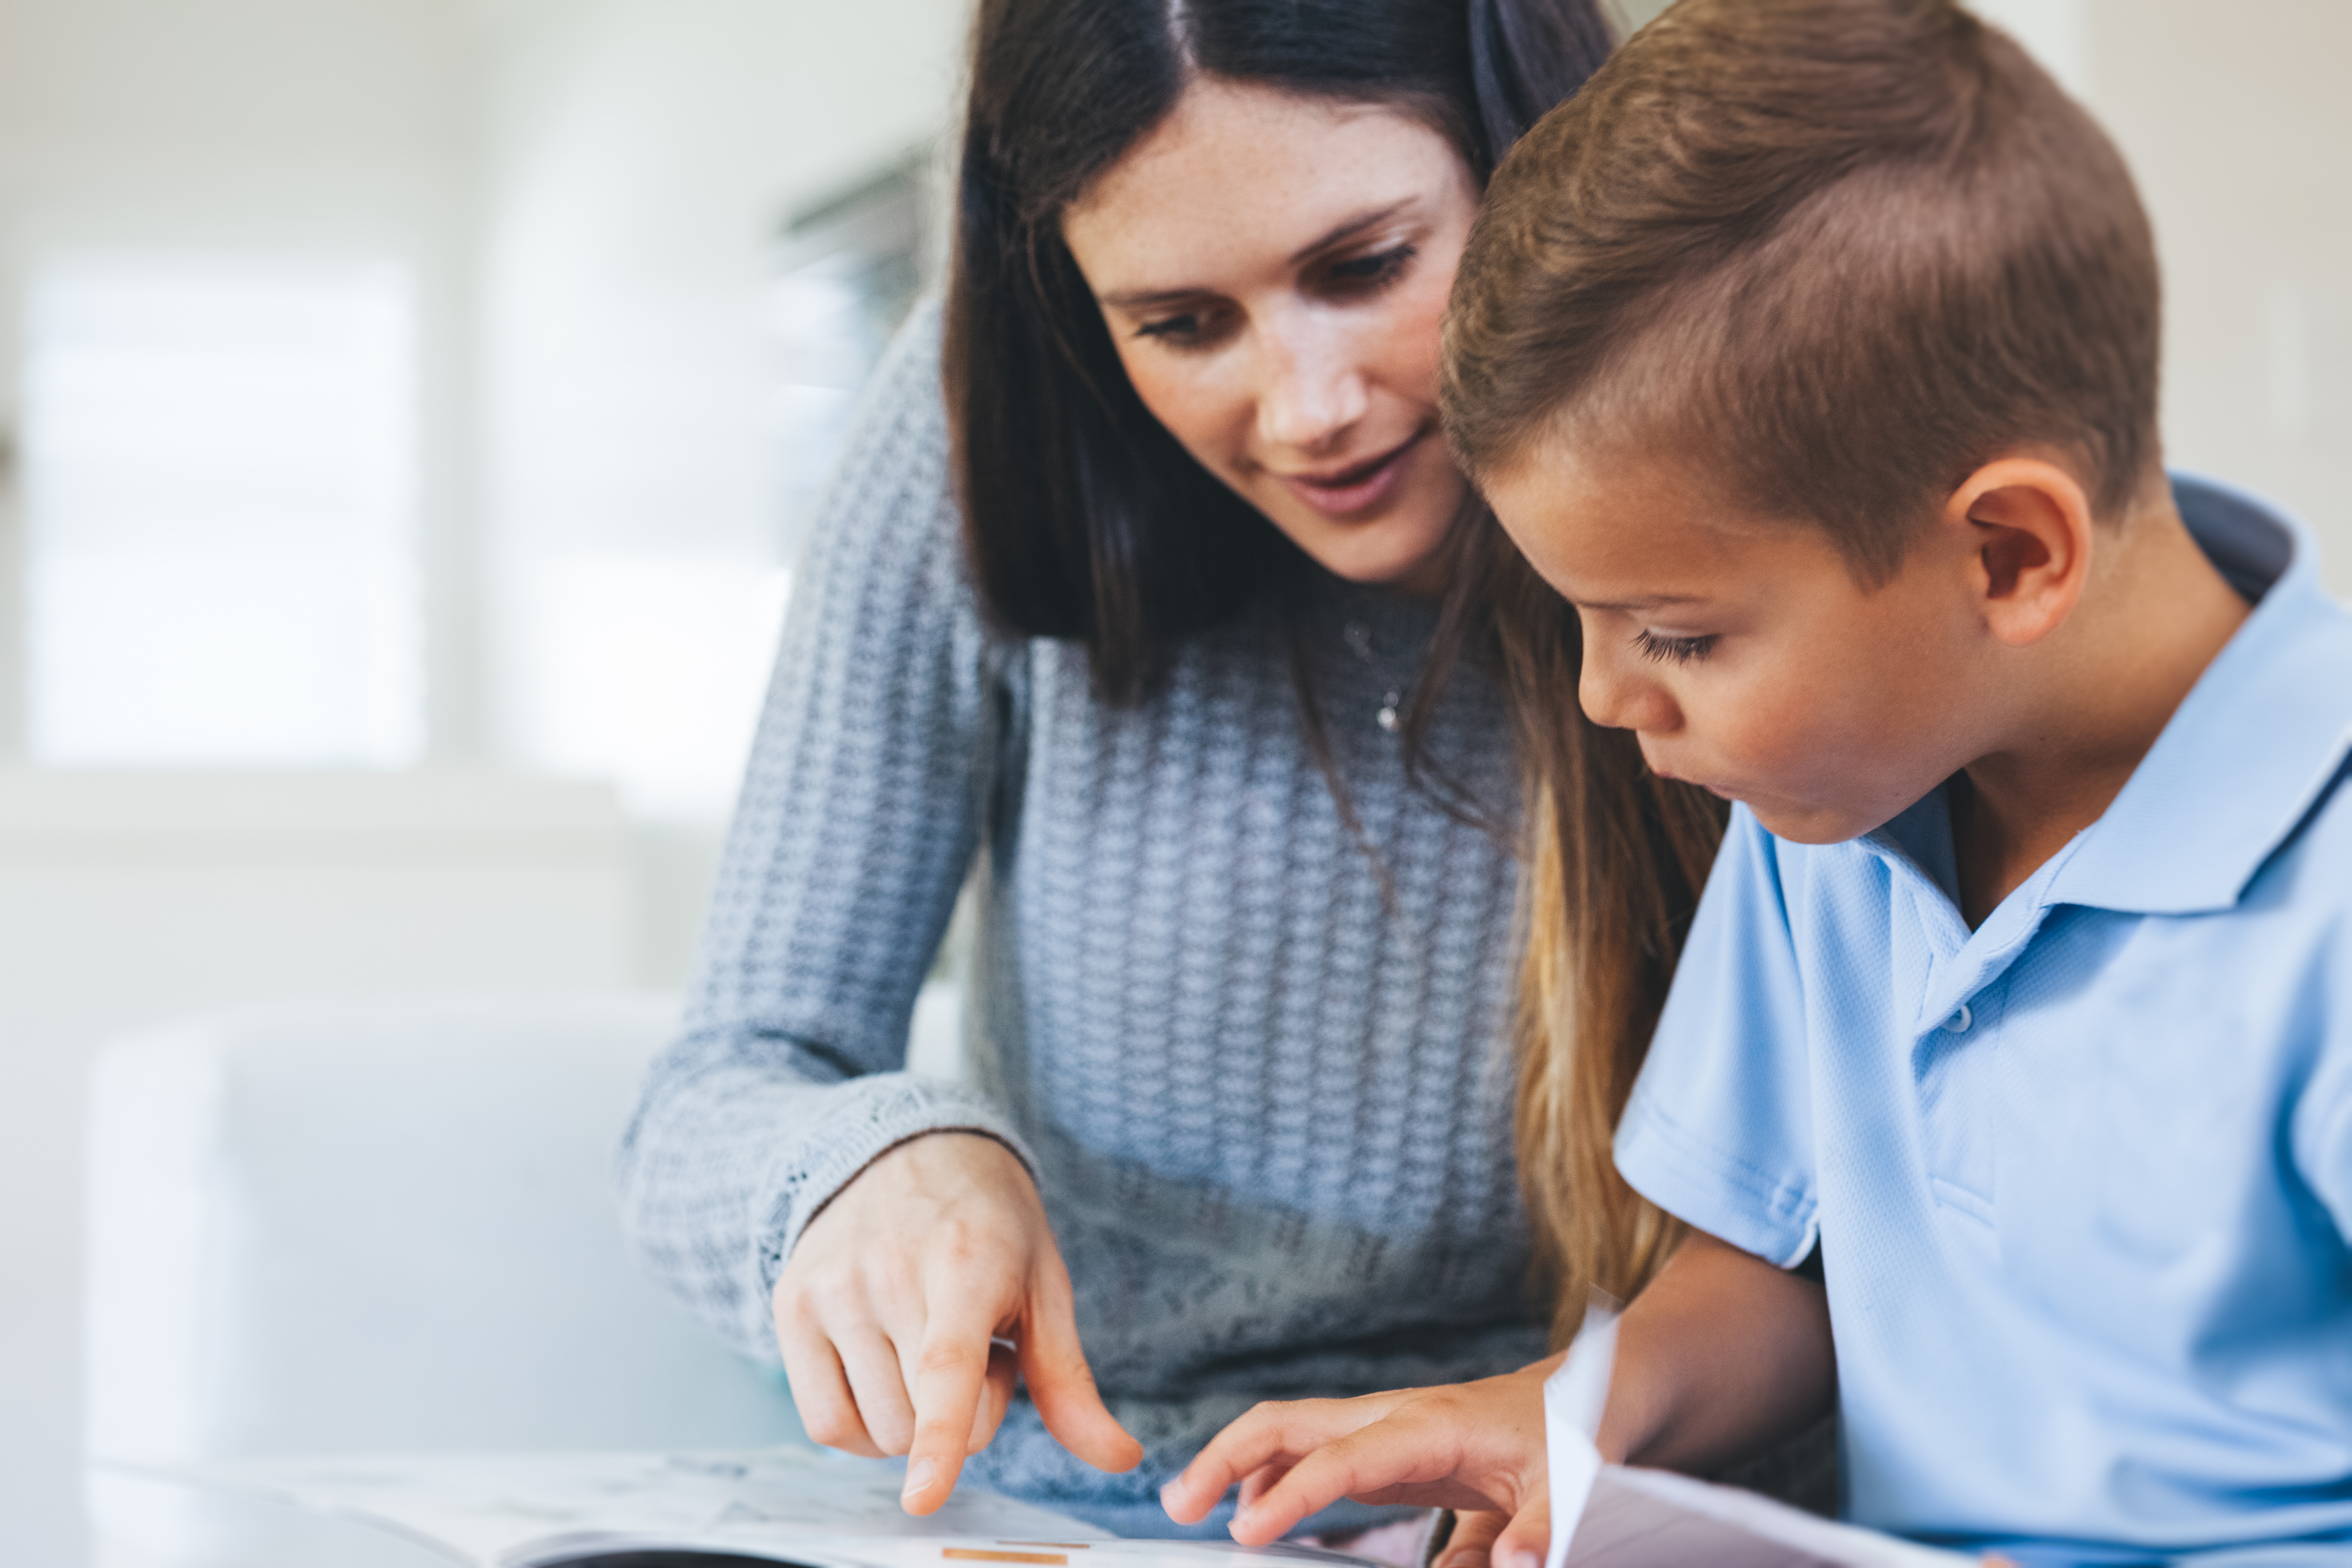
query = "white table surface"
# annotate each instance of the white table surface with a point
(144, 1522)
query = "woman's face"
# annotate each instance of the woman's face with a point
(1274, 268)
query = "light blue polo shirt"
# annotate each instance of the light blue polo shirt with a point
(2082, 1178)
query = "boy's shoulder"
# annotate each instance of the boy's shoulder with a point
(2312, 867)
(2243, 803)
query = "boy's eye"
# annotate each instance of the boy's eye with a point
(1671, 650)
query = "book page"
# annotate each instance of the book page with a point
(1610, 1516)
(485, 1509)
(976, 1551)
(1637, 1519)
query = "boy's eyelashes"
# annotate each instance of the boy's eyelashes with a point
(1671, 650)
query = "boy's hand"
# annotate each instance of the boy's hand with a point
(1472, 1544)
(1476, 1445)
(893, 1311)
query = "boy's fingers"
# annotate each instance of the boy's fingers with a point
(1261, 1480)
(1526, 1541)
(1472, 1542)
(1271, 1436)
(1062, 1385)
(1316, 1481)
(1250, 1447)
(1381, 1456)
(950, 1374)
(1412, 1456)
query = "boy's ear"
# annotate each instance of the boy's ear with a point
(2027, 527)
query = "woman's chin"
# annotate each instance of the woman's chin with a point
(1390, 554)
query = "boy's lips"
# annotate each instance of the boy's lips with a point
(1358, 486)
(1721, 792)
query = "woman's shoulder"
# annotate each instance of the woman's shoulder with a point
(905, 387)
(886, 526)
(896, 450)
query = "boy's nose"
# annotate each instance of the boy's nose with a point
(1618, 698)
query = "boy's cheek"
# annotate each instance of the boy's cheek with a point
(1743, 738)
(1797, 776)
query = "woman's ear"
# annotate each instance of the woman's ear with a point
(2028, 528)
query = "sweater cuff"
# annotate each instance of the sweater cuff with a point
(864, 1120)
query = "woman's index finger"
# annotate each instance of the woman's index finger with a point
(950, 1376)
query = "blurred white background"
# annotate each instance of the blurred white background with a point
(411, 406)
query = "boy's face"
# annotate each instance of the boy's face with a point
(1744, 654)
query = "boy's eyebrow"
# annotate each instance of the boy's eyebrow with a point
(1340, 234)
(1639, 601)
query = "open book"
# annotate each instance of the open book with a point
(782, 1505)
(1610, 1516)
(1649, 1519)
(827, 1510)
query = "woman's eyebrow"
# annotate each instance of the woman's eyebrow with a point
(1348, 228)
(1145, 299)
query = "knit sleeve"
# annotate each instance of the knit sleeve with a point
(859, 817)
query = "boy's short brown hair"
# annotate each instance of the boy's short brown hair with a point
(1840, 252)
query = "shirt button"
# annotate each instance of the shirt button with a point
(1957, 1024)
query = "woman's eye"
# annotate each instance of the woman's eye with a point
(1671, 650)
(1372, 271)
(1185, 329)
(1184, 326)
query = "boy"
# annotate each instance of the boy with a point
(1810, 353)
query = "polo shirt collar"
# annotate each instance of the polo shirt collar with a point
(2255, 744)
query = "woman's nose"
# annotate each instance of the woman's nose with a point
(1312, 388)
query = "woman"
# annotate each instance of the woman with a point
(1136, 625)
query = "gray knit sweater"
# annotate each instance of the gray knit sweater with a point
(1256, 1064)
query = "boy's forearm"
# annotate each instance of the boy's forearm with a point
(1722, 1355)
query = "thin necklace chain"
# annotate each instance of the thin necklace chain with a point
(1358, 638)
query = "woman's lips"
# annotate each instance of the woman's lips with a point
(1359, 488)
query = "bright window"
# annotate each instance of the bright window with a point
(220, 467)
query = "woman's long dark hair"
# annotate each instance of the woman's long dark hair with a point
(1085, 517)
(1615, 859)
